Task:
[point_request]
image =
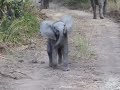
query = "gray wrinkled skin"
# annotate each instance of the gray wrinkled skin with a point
(102, 8)
(57, 46)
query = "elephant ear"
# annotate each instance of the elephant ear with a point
(68, 20)
(46, 30)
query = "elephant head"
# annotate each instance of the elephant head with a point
(56, 30)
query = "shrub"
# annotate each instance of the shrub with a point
(114, 5)
(18, 30)
(83, 4)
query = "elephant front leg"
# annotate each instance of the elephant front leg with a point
(49, 51)
(93, 4)
(60, 55)
(54, 57)
(65, 57)
(94, 12)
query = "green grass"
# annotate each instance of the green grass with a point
(18, 30)
(114, 6)
(83, 4)
(83, 48)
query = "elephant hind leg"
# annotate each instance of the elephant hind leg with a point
(101, 6)
(104, 7)
(60, 55)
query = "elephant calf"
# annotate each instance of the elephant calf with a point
(102, 8)
(57, 34)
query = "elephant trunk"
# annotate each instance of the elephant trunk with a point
(61, 37)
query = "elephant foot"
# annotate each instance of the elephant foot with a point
(105, 15)
(50, 65)
(94, 17)
(66, 69)
(59, 61)
(101, 17)
(54, 66)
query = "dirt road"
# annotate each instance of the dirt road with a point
(100, 72)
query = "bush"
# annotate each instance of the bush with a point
(18, 30)
(114, 5)
(73, 4)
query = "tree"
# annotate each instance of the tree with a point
(11, 8)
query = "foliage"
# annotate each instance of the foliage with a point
(18, 30)
(78, 3)
(114, 5)
(85, 4)
(82, 48)
(11, 8)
